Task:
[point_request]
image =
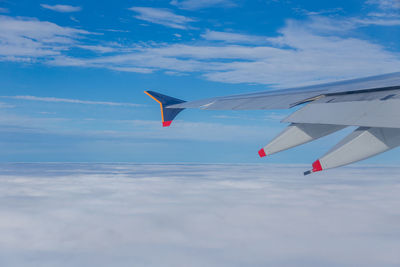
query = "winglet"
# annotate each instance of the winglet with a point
(167, 114)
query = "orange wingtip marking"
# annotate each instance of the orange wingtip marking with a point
(161, 106)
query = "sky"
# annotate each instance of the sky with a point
(72, 74)
(64, 214)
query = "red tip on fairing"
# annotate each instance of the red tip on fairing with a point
(166, 123)
(317, 166)
(261, 152)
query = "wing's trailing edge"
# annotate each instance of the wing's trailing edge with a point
(167, 114)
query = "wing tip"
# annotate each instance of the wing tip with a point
(262, 153)
(317, 167)
(166, 123)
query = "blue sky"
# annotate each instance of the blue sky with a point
(72, 74)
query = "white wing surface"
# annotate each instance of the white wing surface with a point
(287, 98)
(371, 103)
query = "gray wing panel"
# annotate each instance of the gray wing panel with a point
(283, 99)
(252, 103)
(372, 113)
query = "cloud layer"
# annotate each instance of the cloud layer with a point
(197, 215)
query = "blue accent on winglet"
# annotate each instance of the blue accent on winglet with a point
(168, 114)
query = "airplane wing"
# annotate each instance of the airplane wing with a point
(372, 104)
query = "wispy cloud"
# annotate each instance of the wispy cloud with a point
(98, 48)
(200, 4)
(4, 10)
(67, 100)
(136, 130)
(115, 30)
(230, 37)
(28, 39)
(319, 12)
(6, 105)
(301, 48)
(378, 21)
(385, 4)
(386, 13)
(162, 16)
(62, 8)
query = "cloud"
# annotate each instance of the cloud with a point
(200, 4)
(162, 16)
(115, 30)
(67, 100)
(208, 215)
(387, 13)
(378, 22)
(318, 50)
(62, 8)
(230, 37)
(28, 39)
(319, 12)
(5, 105)
(98, 48)
(4, 10)
(136, 131)
(385, 4)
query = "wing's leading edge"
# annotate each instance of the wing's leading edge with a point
(287, 98)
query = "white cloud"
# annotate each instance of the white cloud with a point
(133, 69)
(98, 48)
(4, 10)
(385, 4)
(74, 19)
(387, 13)
(136, 130)
(230, 37)
(318, 50)
(6, 105)
(319, 12)
(205, 215)
(27, 39)
(62, 8)
(199, 4)
(162, 16)
(67, 100)
(378, 22)
(114, 30)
